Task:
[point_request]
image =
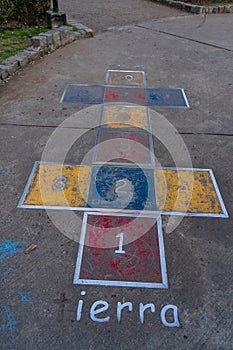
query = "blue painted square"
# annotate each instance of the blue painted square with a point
(167, 98)
(86, 94)
(117, 187)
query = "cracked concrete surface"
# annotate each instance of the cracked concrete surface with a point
(198, 252)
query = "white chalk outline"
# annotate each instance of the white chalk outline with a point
(125, 71)
(210, 171)
(185, 98)
(147, 130)
(123, 105)
(34, 169)
(128, 211)
(186, 105)
(87, 85)
(148, 173)
(77, 280)
(94, 209)
(151, 162)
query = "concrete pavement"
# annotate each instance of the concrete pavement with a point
(38, 299)
(103, 14)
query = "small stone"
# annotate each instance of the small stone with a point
(66, 28)
(192, 8)
(180, 5)
(3, 72)
(39, 41)
(227, 9)
(197, 10)
(82, 32)
(64, 34)
(36, 53)
(72, 36)
(49, 37)
(33, 55)
(221, 9)
(56, 39)
(80, 26)
(12, 68)
(30, 248)
(23, 58)
(77, 35)
(12, 64)
(89, 32)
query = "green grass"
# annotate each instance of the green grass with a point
(73, 27)
(13, 41)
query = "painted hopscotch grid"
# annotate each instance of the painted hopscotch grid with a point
(83, 93)
(32, 199)
(122, 188)
(167, 98)
(124, 99)
(166, 190)
(57, 186)
(99, 94)
(128, 117)
(140, 263)
(125, 77)
(126, 95)
(205, 197)
(129, 148)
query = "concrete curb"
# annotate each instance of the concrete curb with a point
(43, 44)
(196, 9)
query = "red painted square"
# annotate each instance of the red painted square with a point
(126, 95)
(139, 261)
(126, 147)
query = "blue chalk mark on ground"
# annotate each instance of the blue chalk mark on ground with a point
(103, 189)
(8, 248)
(9, 323)
(24, 298)
(91, 267)
(3, 172)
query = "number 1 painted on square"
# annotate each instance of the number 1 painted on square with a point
(121, 238)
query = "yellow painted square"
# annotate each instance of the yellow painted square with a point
(59, 185)
(125, 117)
(188, 191)
(126, 78)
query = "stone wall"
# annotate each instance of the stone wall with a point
(197, 9)
(43, 44)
